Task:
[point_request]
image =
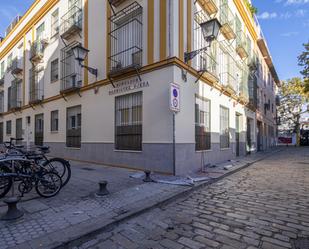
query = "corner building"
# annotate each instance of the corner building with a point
(119, 114)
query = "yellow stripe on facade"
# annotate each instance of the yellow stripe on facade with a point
(108, 41)
(24, 71)
(189, 27)
(163, 29)
(150, 34)
(246, 18)
(86, 40)
(180, 23)
(33, 21)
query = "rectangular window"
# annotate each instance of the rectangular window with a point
(8, 127)
(9, 62)
(74, 123)
(224, 128)
(54, 70)
(40, 32)
(202, 124)
(55, 23)
(128, 121)
(9, 97)
(54, 121)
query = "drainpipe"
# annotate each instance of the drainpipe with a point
(170, 28)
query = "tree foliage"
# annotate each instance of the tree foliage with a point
(292, 96)
(303, 61)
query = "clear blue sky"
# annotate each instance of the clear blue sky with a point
(285, 24)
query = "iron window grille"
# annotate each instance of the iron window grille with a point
(17, 65)
(70, 70)
(55, 23)
(128, 121)
(54, 121)
(54, 70)
(15, 96)
(37, 50)
(72, 21)
(202, 124)
(36, 89)
(224, 128)
(74, 123)
(206, 61)
(126, 39)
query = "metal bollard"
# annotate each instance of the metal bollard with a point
(102, 189)
(147, 176)
(13, 212)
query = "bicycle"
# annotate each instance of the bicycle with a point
(47, 183)
(59, 165)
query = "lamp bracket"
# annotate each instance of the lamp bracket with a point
(190, 55)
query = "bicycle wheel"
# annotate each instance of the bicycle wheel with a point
(60, 166)
(48, 184)
(5, 181)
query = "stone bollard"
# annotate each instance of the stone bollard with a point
(102, 189)
(13, 212)
(147, 176)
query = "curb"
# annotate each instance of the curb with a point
(81, 232)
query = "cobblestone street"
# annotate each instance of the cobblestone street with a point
(263, 206)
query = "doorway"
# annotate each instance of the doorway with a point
(19, 130)
(237, 133)
(39, 129)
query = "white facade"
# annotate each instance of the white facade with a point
(164, 31)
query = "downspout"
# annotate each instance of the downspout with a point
(170, 28)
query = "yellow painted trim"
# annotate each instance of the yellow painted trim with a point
(32, 34)
(180, 23)
(24, 71)
(21, 20)
(174, 61)
(150, 33)
(86, 39)
(163, 29)
(33, 21)
(246, 18)
(108, 41)
(189, 27)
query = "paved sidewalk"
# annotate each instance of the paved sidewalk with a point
(76, 212)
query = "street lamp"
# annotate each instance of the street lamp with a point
(80, 54)
(210, 30)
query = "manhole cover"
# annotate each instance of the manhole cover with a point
(88, 169)
(301, 243)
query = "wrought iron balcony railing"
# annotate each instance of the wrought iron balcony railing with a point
(207, 65)
(210, 6)
(36, 89)
(37, 51)
(71, 22)
(126, 40)
(241, 44)
(71, 83)
(15, 99)
(116, 3)
(227, 20)
(229, 82)
(17, 65)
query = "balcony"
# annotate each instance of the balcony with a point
(71, 23)
(37, 51)
(15, 97)
(126, 40)
(210, 6)
(244, 86)
(227, 20)
(71, 83)
(36, 90)
(17, 66)
(241, 45)
(207, 66)
(229, 82)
